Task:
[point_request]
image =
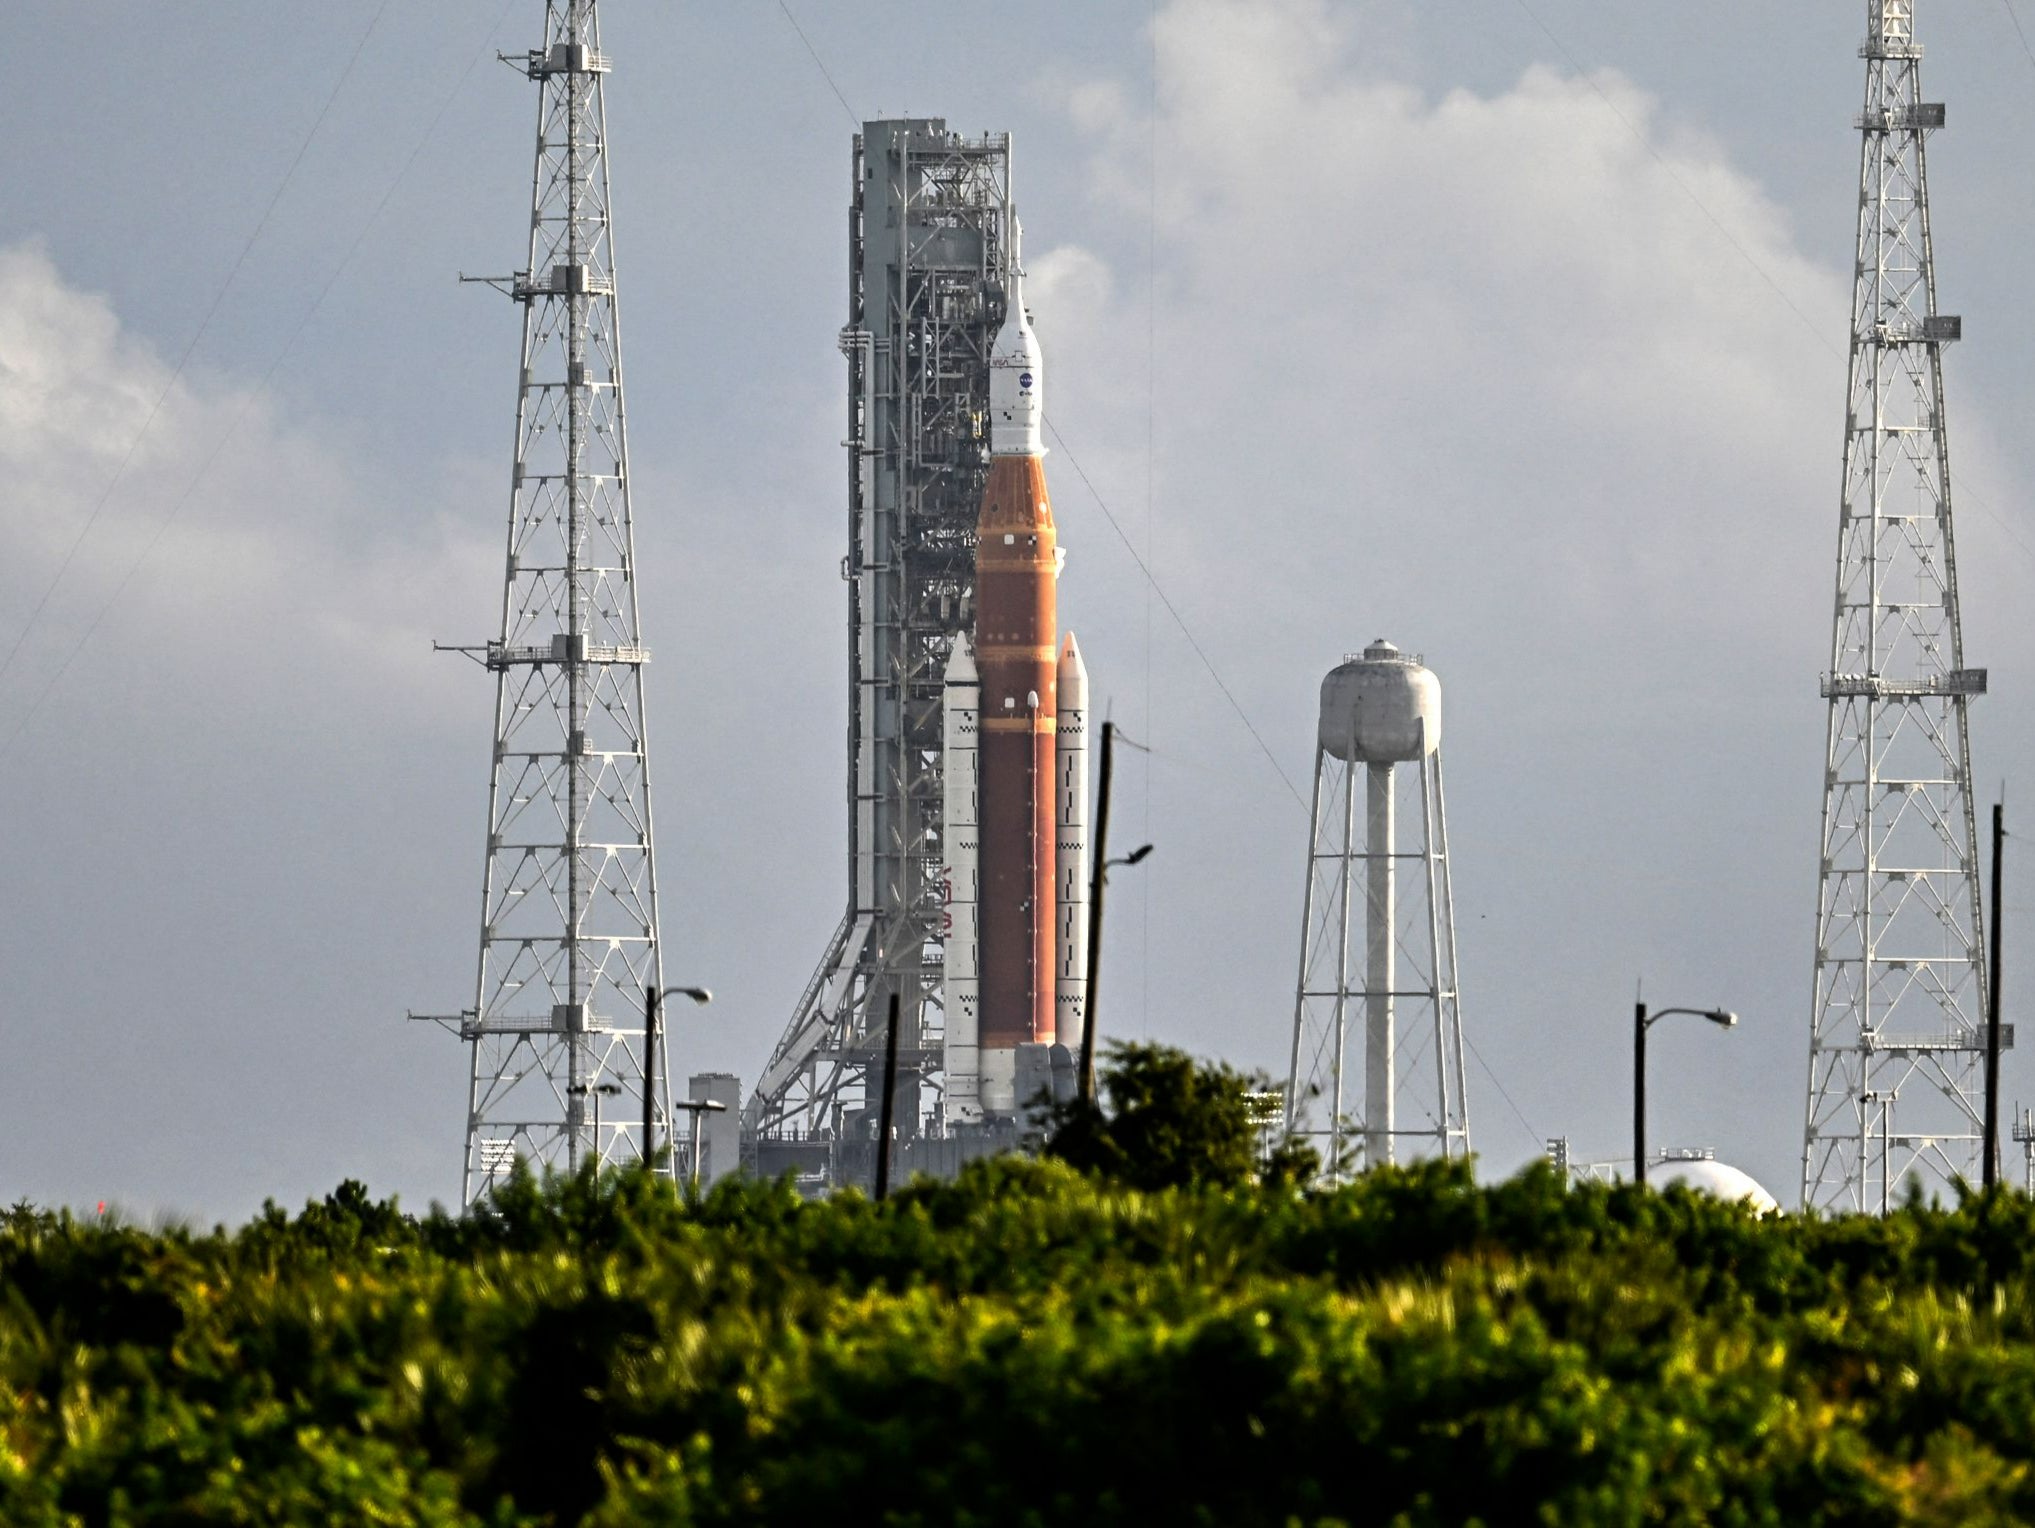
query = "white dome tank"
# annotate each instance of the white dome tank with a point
(1720, 1180)
(1382, 708)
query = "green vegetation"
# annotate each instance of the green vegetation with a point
(1170, 1121)
(1028, 1345)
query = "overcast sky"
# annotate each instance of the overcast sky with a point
(1515, 335)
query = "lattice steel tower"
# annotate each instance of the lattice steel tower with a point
(1896, 1049)
(569, 944)
(926, 275)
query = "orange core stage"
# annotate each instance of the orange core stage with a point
(1016, 637)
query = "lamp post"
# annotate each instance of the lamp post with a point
(1642, 1021)
(597, 1090)
(696, 1107)
(651, 999)
(1096, 882)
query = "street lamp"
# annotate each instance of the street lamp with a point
(1097, 882)
(651, 999)
(1642, 1021)
(696, 1107)
(598, 1090)
(1097, 875)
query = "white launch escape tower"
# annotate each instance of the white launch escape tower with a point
(569, 944)
(927, 273)
(1897, 1037)
(1378, 711)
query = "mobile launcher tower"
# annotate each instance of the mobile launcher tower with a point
(1379, 711)
(931, 275)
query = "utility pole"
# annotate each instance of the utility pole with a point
(1097, 874)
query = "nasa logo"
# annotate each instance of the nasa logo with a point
(1024, 379)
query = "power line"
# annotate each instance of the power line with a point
(2014, 17)
(1174, 611)
(1539, 1140)
(35, 706)
(204, 325)
(824, 74)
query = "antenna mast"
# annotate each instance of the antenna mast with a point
(569, 945)
(1897, 1041)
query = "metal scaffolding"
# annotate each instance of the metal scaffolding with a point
(569, 945)
(926, 278)
(1897, 1037)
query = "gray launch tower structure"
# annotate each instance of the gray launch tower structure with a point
(569, 943)
(927, 273)
(1897, 1039)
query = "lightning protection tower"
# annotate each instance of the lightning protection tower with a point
(568, 944)
(1897, 1038)
(927, 268)
(1378, 711)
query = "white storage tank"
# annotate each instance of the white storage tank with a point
(1382, 708)
(1720, 1180)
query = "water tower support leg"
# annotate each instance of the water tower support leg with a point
(1379, 975)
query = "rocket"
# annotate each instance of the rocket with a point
(1015, 753)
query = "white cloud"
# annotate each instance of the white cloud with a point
(272, 549)
(1511, 316)
(233, 869)
(1506, 376)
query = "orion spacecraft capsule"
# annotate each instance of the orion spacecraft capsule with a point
(1016, 767)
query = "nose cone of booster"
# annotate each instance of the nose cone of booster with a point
(1073, 677)
(961, 662)
(1015, 379)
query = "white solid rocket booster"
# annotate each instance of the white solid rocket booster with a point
(1070, 990)
(961, 697)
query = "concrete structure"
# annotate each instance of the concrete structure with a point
(720, 1131)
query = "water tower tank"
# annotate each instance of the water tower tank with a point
(1382, 708)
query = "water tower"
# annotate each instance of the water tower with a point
(1378, 711)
